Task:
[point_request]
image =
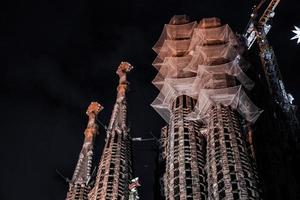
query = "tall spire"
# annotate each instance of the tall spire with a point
(79, 185)
(114, 172)
(122, 71)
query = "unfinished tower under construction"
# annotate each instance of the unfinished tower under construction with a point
(203, 99)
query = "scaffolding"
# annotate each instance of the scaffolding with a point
(203, 93)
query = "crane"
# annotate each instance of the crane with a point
(256, 31)
(254, 25)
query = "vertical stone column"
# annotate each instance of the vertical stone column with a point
(230, 168)
(185, 155)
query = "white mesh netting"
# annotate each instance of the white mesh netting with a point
(201, 62)
(172, 89)
(174, 48)
(232, 96)
(174, 32)
(211, 22)
(206, 36)
(195, 46)
(206, 72)
(211, 55)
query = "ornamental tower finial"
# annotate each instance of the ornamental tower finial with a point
(122, 71)
(92, 111)
(79, 185)
(114, 171)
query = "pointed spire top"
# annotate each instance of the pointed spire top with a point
(94, 108)
(124, 68)
(122, 71)
(92, 111)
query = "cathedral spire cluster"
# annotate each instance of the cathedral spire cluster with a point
(208, 147)
(114, 176)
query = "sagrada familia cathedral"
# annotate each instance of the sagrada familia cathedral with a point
(207, 148)
(114, 177)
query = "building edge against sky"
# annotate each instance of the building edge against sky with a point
(208, 148)
(273, 141)
(114, 175)
(79, 185)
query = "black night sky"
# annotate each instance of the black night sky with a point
(58, 56)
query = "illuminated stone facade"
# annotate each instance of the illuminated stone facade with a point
(80, 186)
(115, 168)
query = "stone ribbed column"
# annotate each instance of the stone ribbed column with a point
(230, 168)
(185, 155)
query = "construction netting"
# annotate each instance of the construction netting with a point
(216, 35)
(206, 72)
(201, 61)
(175, 32)
(211, 55)
(234, 97)
(175, 67)
(172, 89)
(171, 49)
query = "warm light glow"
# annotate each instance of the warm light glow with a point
(297, 36)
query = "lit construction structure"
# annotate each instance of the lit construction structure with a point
(80, 186)
(203, 99)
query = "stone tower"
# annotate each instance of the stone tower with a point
(115, 170)
(79, 186)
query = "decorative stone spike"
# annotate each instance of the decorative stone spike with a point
(115, 170)
(79, 185)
